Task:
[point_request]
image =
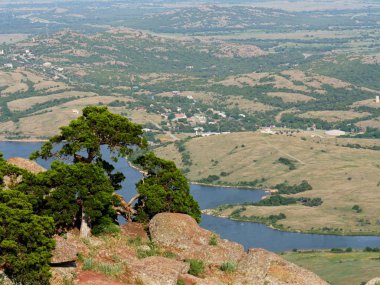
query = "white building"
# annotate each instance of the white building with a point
(47, 65)
(335, 133)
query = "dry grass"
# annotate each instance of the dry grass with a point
(27, 103)
(137, 116)
(206, 97)
(314, 80)
(341, 176)
(47, 123)
(50, 86)
(373, 123)
(250, 79)
(12, 38)
(333, 116)
(291, 97)
(248, 105)
(367, 103)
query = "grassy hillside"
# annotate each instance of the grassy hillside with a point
(349, 268)
(341, 176)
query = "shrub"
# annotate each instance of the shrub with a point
(88, 264)
(197, 267)
(357, 209)
(213, 240)
(288, 162)
(228, 267)
(337, 250)
(180, 282)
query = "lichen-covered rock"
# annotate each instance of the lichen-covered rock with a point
(192, 280)
(4, 280)
(263, 267)
(26, 164)
(156, 270)
(64, 251)
(182, 235)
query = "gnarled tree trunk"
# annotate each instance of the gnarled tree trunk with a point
(85, 230)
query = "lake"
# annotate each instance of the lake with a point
(248, 234)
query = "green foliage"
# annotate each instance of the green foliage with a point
(108, 269)
(372, 249)
(210, 179)
(285, 188)
(213, 240)
(95, 128)
(77, 187)
(278, 200)
(25, 240)
(164, 189)
(270, 220)
(152, 251)
(180, 282)
(357, 209)
(288, 162)
(337, 250)
(228, 266)
(197, 267)
(371, 133)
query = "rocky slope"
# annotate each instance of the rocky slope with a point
(132, 257)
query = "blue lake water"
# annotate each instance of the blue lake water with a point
(248, 234)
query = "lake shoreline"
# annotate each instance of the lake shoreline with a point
(208, 212)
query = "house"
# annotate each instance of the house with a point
(8, 65)
(200, 119)
(222, 114)
(47, 65)
(2, 52)
(179, 116)
(75, 111)
(267, 131)
(198, 131)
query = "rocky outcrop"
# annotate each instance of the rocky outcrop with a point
(159, 270)
(259, 266)
(184, 236)
(374, 281)
(12, 180)
(64, 252)
(26, 164)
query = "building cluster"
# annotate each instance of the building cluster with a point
(27, 59)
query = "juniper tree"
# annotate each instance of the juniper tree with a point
(163, 189)
(25, 240)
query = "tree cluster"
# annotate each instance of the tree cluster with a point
(81, 193)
